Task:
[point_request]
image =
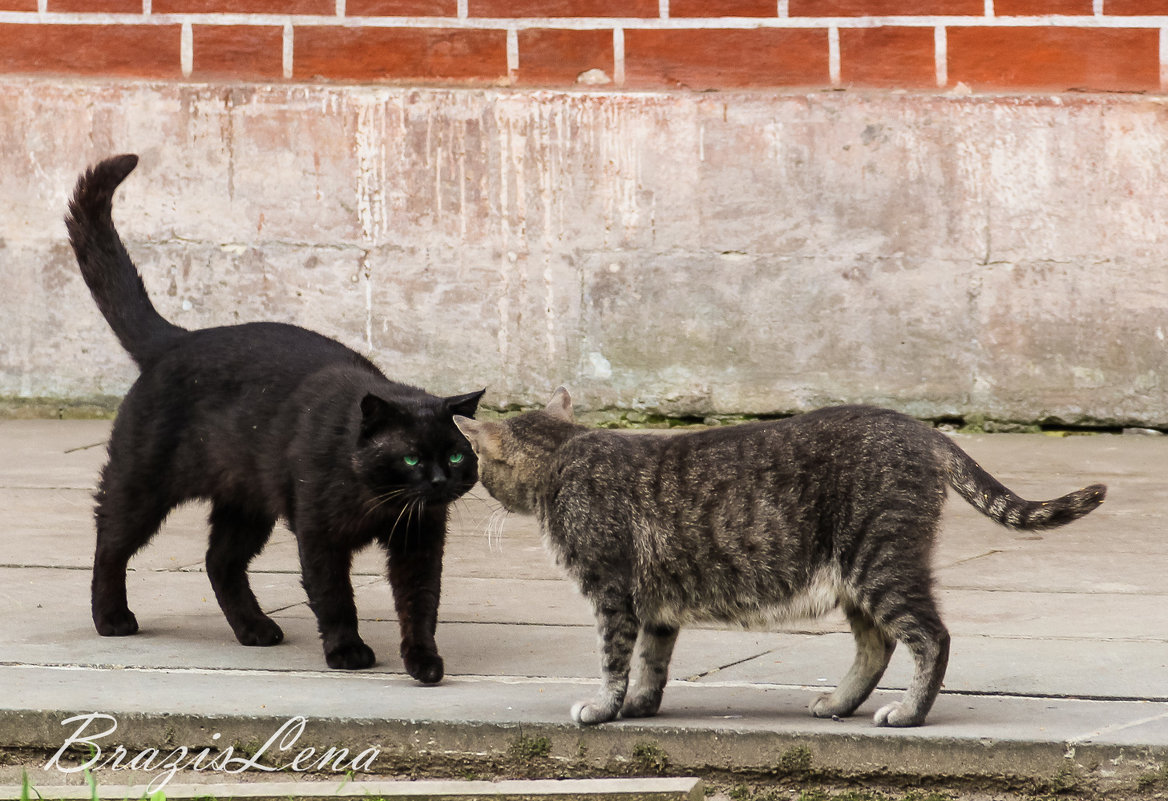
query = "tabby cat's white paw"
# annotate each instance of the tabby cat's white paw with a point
(895, 715)
(821, 707)
(588, 714)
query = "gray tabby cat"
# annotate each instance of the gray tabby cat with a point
(747, 524)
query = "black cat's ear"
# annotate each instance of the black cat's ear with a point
(377, 413)
(465, 405)
(484, 437)
(561, 405)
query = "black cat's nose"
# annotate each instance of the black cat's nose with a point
(437, 477)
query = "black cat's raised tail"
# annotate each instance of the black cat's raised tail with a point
(990, 497)
(111, 277)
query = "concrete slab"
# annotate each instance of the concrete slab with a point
(1058, 660)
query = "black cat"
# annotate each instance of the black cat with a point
(268, 421)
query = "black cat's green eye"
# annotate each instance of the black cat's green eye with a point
(456, 458)
(411, 460)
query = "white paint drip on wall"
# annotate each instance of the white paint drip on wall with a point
(367, 277)
(370, 145)
(463, 214)
(620, 154)
(508, 258)
(547, 195)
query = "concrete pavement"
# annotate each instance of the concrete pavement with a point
(1058, 672)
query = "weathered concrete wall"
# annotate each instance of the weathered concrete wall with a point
(687, 253)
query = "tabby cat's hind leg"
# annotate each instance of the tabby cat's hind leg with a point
(931, 657)
(915, 622)
(650, 670)
(237, 535)
(873, 650)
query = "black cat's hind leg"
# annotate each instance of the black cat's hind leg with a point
(127, 517)
(617, 626)
(415, 551)
(873, 651)
(237, 535)
(650, 670)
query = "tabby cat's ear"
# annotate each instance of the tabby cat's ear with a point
(377, 413)
(561, 405)
(484, 437)
(465, 405)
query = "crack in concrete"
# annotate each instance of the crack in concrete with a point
(712, 671)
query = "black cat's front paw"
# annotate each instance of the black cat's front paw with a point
(260, 633)
(350, 656)
(425, 667)
(119, 623)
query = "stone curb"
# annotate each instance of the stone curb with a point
(686, 789)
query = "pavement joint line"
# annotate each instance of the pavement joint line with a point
(1114, 727)
(586, 681)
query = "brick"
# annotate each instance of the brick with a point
(888, 57)
(1120, 8)
(557, 57)
(326, 7)
(401, 8)
(105, 6)
(399, 54)
(1055, 58)
(884, 8)
(715, 59)
(563, 8)
(129, 51)
(18, 5)
(723, 8)
(1038, 8)
(237, 51)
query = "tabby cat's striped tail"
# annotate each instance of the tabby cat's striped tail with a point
(990, 497)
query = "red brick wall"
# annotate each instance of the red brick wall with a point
(1047, 45)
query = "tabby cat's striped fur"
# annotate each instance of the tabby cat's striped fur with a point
(747, 523)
